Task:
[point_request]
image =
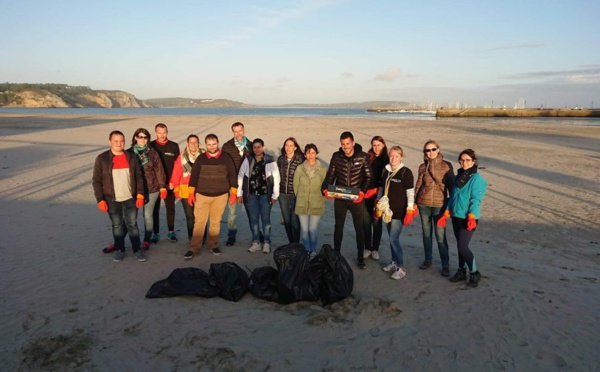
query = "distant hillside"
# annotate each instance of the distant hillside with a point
(196, 102)
(64, 96)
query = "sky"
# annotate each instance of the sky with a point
(270, 52)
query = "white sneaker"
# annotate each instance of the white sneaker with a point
(266, 247)
(399, 273)
(375, 255)
(367, 253)
(255, 247)
(390, 267)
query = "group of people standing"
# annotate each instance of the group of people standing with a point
(209, 180)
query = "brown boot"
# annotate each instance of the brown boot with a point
(425, 265)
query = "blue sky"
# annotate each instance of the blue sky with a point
(328, 51)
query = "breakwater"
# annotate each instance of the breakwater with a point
(516, 113)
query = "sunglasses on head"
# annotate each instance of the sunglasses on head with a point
(429, 150)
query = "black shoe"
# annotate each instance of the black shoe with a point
(216, 251)
(460, 275)
(230, 242)
(360, 261)
(474, 278)
(445, 271)
(425, 265)
(188, 255)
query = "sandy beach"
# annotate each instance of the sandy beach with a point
(68, 306)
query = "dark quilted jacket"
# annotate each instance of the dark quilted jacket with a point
(230, 148)
(354, 171)
(286, 171)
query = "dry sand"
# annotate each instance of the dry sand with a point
(67, 306)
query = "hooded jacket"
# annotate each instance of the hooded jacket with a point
(354, 171)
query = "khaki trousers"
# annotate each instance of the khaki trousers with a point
(207, 208)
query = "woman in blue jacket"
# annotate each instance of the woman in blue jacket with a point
(464, 208)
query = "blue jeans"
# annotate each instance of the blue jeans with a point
(394, 229)
(287, 203)
(259, 207)
(148, 215)
(123, 216)
(308, 231)
(429, 219)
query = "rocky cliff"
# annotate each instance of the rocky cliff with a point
(64, 96)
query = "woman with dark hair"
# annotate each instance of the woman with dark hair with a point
(259, 178)
(155, 179)
(464, 208)
(433, 188)
(378, 155)
(182, 170)
(310, 202)
(289, 160)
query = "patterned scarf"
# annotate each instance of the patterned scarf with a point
(463, 176)
(187, 161)
(311, 169)
(142, 154)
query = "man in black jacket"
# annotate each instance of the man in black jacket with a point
(168, 152)
(238, 148)
(349, 167)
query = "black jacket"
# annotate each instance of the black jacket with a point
(102, 180)
(230, 148)
(287, 170)
(354, 171)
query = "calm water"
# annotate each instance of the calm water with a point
(286, 112)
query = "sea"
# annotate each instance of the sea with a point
(289, 112)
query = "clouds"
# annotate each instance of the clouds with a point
(389, 75)
(589, 74)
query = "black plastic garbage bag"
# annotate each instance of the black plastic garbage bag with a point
(337, 278)
(295, 281)
(230, 279)
(264, 283)
(184, 281)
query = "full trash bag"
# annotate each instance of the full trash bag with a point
(184, 281)
(295, 281)
(230, 279)
(337, 278)
(264, 283)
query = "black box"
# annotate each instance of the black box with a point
(343, 192)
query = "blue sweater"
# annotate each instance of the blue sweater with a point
(468, 198)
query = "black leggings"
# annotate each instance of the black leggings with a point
(463, 238)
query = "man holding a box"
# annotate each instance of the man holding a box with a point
(348, 177)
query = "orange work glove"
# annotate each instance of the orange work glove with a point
(139, 201)
(191, 196)
(471, 222)
(371, 193)
(232, 195)
(163, 193)
(408, 217)
(415, 210)
(361, 196)
(326, 195)
(103, 206)
(176, 192)
(442, 221)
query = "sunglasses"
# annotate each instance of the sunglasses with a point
(141, 137)
(429, 150)
(465, 160)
